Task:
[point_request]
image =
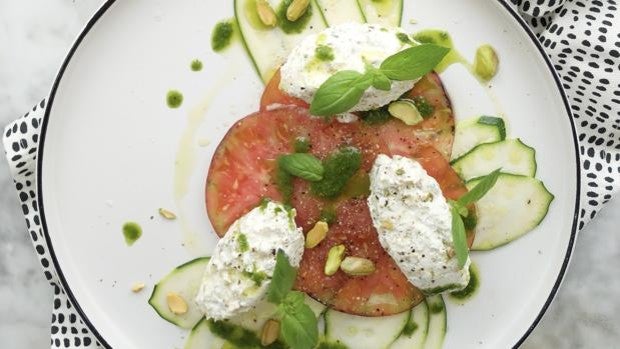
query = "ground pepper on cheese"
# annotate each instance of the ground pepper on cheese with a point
(349, 46)
(413, 221)
(240, 270)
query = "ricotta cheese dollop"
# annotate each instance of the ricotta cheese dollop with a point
(240, 270)
(349, 46)
(414, 224)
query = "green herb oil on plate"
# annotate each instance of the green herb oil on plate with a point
(196, 65)
(222, 35)
(441, 38)
(132, 232)
(472, 287)
(174, 99)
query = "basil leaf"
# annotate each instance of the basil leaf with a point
(377, 78)
(283, 279)
(299, 327)
(459, 237)
(462, 210)
(302, 165)
(381, 82)
(339, 93)
(477, 192)
(414, 62)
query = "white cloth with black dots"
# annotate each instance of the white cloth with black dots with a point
(582, 38)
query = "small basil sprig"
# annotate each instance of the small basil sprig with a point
(302, 165)
(458, 209)
(299, 326)
(476, 193)
(339, 93)
(343, 90)
(459, 237)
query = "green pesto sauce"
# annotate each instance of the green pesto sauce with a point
(324, 53)
(301, 145)
(436, 308)
(440, 289)
(258, 277)
(331, 345)
(328, 215)
(264, 201)
(339, 167)
(284, 183)
(291, 216)
(290, 27)
(441, 38)
(242, 242)
(358, 186)
(196, 65)
(239, 336)
(470, 221)
(132, 232)
(376, 116)
(404, 38)
(410, 327)
(222, 35)
(423, 106)
(471, 288)
(174, 99)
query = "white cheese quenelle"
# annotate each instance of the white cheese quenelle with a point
(414, 224)
(240, 270)
(348, 46)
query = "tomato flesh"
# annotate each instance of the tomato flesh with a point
(242, 172)
(274, 96)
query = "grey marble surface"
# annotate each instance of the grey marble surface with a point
(35, 36)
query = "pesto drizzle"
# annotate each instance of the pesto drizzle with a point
(472, 287)
(174, 99)
(222, 35)
(290, 27)
(239, 336)
(196, 65)
(132, 232)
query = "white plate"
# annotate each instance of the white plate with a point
(112, 151)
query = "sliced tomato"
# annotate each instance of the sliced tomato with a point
(242, 168)
(450, 183)
(384, 292)
(437, 130)
(437, 167)
(273, 95)
(242, 172)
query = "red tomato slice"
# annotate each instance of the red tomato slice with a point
(436, 130)
(242, 171)
(273, 95)
(450, 183)
(384, 292)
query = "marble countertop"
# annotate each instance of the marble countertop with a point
(34, 38)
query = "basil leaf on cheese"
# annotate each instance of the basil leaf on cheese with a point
(414, 62)
(459, 237)
(283, 279)
(477, 192)
(340, 93)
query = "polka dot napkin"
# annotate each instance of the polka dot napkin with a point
(582, 38)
